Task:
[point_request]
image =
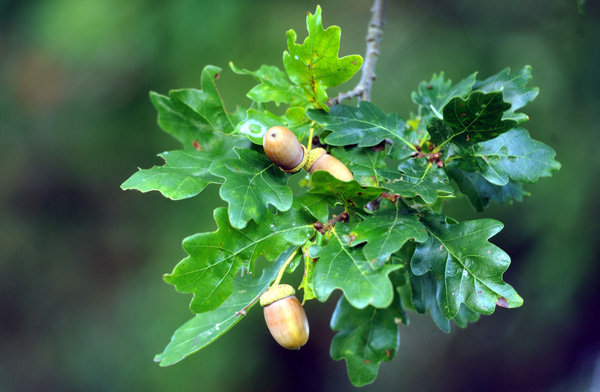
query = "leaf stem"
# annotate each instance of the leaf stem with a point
(310, 138)
(374, 36)
(284, 266)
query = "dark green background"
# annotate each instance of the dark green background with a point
(82, 303)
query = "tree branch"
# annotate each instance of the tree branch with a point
(374, 36)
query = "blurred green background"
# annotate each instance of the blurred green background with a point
(82, 303)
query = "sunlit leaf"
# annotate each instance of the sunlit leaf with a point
(251, 183)
(366, 125)
(256, 124)
(185, 172)
(314, 65)
(215, 258)
(205, 328)
(343, 267)
(274, 86)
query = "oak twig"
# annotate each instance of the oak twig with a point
(374, 36)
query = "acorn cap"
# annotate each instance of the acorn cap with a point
(276, 293)
(313, 156)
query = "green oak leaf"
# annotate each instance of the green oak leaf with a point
(348, 193)
(417, 177)
(250, 184)
(314, 65)
(514, 154)
(469, 121)
(207, 327)
(366, 338)
(424, 299)
(185, 172)
(366, 125)
(437, 93)
(188, 131)
(387, 230)
(465, 316)
(362, 162)
(513, 90)
(191, 114)
(256, 124)
(316, 204)
(479, 191)
(215, 258)
(274, 86)
(343, 267)
(466, 267)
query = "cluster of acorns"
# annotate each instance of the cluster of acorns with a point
(283, 149)
(284, 314)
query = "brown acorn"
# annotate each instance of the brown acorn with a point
(330, 164)
(283, 148)
(285, 316)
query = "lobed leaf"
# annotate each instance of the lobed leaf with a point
(424, 299)
(314, 65)
(274, 86)
(465, 316)
(469, 121)
(215, 258)
(205, 328)
(250, 184)
(351, 194)
(513, 90)
(366, 338)
(516, 156)
(436, 93)
(417, 177)
(386, 231)
(364, 163)
(185, 172)
(366, 125)
(194, 116)
(316, 204)
(256, 124)
(480, 192)
(343, 267)
(467, 268)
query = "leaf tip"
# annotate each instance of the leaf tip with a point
(503, 302)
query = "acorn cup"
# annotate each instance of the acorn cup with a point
(283, 149)
(285, 316)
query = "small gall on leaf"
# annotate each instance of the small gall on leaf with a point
(503, 302)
